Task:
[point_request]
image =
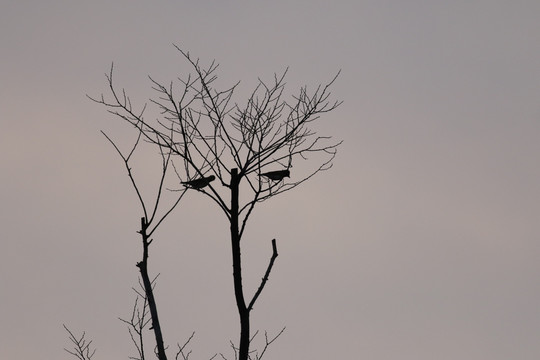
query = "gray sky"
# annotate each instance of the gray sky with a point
(423, 241)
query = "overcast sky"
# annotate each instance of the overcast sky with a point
(422, 242)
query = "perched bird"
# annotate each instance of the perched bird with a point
(199, 183)
(277, 175)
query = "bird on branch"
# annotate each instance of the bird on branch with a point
(277, 175)
(199, 183)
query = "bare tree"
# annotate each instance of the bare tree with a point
(249, 149)
(152, 218)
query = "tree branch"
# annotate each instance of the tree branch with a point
(81, 346)
(266, 275)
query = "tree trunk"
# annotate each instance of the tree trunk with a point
(243, 311)
(143, 266)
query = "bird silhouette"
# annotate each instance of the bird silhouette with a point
(199, 183)
(277, 175)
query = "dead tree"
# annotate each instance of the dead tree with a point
(153, 217)
(150, 221)
(249, 149)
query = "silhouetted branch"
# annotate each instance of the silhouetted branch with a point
(128, 168)
(136, 324)
(81, 346)
(266, 275)
(181, 349)
(267, 343)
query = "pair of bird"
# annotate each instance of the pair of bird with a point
(200, 183)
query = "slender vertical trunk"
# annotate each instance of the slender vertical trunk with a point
(143, 266)
(243, 311)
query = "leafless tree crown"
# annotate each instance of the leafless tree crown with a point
(214, 146)
(211, 135)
